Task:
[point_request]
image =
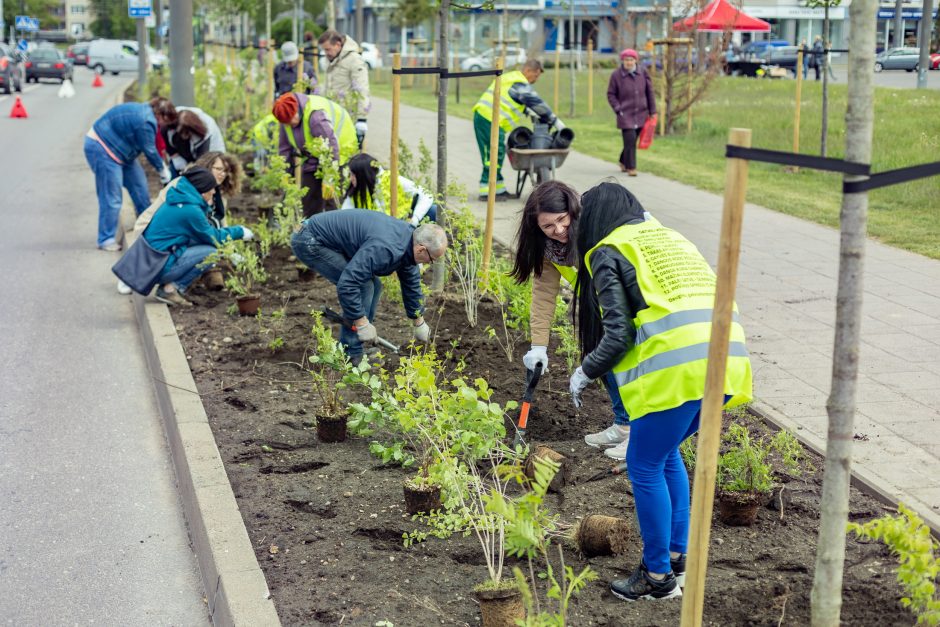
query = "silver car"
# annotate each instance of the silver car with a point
(898, 59)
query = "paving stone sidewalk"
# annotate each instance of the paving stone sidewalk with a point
(786, 295)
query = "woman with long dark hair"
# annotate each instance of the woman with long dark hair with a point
(644, 302)
(545, 251)
(370, 188)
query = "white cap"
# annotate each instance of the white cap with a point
(289, 51)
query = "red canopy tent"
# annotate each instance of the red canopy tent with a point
(720, 16)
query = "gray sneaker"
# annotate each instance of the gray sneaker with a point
(173, 299)
(611, 436)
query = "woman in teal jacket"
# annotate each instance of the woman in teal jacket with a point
(182, 227)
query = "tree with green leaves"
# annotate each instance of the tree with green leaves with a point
(111, 20)
(41, 9)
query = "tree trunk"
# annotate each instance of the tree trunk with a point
(824, 64)
(438, 270)
(834, 503)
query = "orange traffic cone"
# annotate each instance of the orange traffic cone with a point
(97, 82)
(18, 110)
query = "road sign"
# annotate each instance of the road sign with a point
(22, 45)
(26, 23)
(139, 8)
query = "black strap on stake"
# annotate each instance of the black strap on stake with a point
(803, 161)
(417, 70)
(446, 74)
(892, 177)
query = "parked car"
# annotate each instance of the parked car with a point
(935, 60)
(48, 63)
(759, 48)
(12, 69)
(782, 56)
(487, 60)
(371, 55)
(78, 53)
(898, 59)
(120, 55)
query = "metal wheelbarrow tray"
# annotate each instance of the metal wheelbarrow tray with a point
(537, 164)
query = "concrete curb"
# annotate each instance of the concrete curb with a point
(865, 481)
(236, 590)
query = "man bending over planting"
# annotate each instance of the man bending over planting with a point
(353, 248)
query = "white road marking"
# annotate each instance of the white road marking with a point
(26, 90)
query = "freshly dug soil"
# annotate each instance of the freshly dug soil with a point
(326, 521)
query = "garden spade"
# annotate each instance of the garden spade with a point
(619, 469)
(332, 316)
(531, 380)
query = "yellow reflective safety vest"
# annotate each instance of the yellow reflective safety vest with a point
(511, 113)
(344, 127)
(568, 273)
(265, 131)
(666, 366)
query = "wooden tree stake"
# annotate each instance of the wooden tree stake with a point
(709, 436)
(559, 42)
(270, 64)
(688, 89)
(393, 161)
(494, 159)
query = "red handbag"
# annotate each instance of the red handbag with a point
(647, 133)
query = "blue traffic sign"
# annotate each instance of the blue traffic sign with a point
(26, 23)
(22, 45)
(139, 8)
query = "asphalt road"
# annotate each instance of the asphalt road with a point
(91, 528)
(895, 79)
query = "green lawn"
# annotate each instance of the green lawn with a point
(907, 132)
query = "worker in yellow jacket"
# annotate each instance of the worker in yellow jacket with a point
(517, 96)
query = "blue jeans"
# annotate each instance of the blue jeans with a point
(110, 176)
(186, 268)
(620, 412)
(660, 481)
(331, 264)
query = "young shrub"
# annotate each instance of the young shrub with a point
(909, 539)
(743, 477)
(272, 326)
(246, 271)
(565, 333)
(465, 254)
(514, 301)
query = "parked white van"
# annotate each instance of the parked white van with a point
(119, 55)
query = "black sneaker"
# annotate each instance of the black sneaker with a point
(641, 586)
(678, 569)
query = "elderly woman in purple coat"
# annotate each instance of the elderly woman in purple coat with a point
(630, 94)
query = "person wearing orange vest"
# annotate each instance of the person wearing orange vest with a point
(644, 306)
(517, 96)
(545, 252)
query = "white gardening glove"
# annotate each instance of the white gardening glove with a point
(165, 175)
(422, 332)
(365, 331)
(559, 125)
(578, 382)
(362, 127)
(236, 259)
(247, 235)
(536, 355)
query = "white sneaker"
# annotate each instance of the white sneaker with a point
(123, 288)
(611, 436)
(618, 452)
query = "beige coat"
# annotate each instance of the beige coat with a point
(347, 73)
(544, 292)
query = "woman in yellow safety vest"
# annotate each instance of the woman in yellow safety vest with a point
(370, 188)
(545, 251)
(644, 304)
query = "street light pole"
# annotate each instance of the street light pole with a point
(181, 52)
(142, 60)
(926, 26)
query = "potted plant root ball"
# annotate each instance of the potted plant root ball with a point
(422, 494)
(602, 535)
(213, 279)
(560, 462)
(329, 368)
(743, 477)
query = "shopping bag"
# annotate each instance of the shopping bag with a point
(647, 133)
(140, 266)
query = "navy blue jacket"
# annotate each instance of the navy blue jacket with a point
(128, 130)
(374, 244)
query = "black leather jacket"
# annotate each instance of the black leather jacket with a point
(618, 294)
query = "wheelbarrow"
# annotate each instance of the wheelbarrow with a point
(536, 164)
